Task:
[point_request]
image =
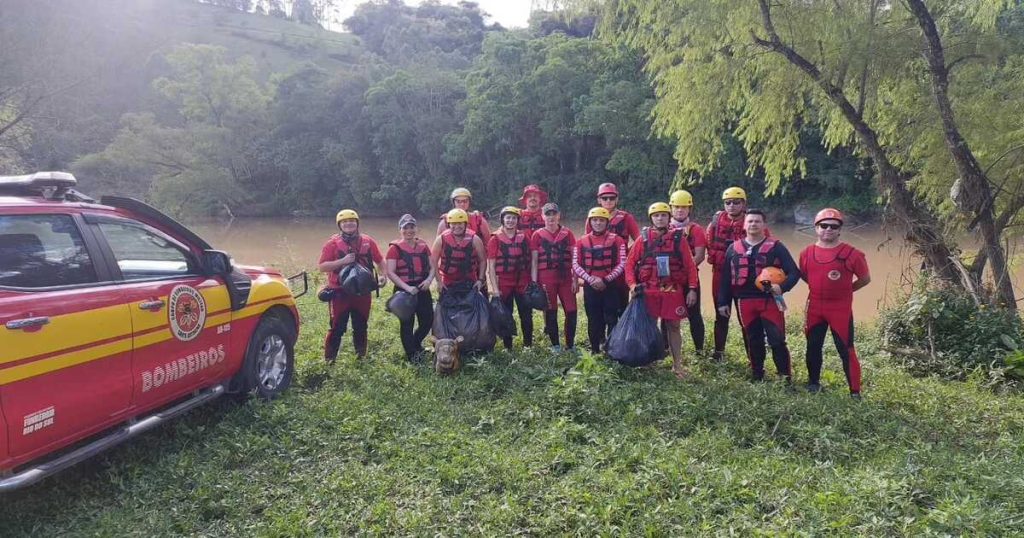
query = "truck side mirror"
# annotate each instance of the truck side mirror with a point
(216, 262)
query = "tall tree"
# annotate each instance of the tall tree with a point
(762, 70)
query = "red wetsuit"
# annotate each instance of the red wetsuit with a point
(829, 274)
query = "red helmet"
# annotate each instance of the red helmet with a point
(527, 190)
(774, 275)
(607, 188)
(828, 214)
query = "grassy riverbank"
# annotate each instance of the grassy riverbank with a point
(525, 443)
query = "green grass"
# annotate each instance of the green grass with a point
(530, 443)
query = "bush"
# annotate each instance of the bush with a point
(938, 330)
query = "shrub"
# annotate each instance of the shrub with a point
(936, 330)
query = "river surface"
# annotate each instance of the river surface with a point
(294, 244)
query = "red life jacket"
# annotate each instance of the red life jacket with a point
(617, 224)
(655, 246)
(830, 280)
(413, 264)
(530, 221)
(599, 259)
(513, 254)
(687, 231)
(363, 254)
(474, 224)
(746, 265)
(724, 231)
(458, 258)
(555, 251)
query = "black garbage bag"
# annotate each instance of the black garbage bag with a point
(536, 297)
(501, 319)
(326, 294)
(636, 340)
(402, 304)
(462, 311)
(357, 280)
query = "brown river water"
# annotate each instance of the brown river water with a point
(294, 244)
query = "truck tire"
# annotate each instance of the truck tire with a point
(269, 364)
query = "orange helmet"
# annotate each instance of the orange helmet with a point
(828, 214)
(607, 188)
(772, 275)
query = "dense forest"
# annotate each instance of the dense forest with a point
(234, 109)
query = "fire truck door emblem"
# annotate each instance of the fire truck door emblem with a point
(187, 313)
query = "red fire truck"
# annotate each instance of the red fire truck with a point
(115, 318)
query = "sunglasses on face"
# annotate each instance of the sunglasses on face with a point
(827, 226)
(609, 198)
(734, 202)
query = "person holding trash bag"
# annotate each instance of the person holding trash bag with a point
(661, 265)
(508, 273)
(599, 259)
(681, 203)
(530, 218)
(349, 251)
(410, 268)
(760, 271)
(475, 221)
(552, 248)
(829, 267)
(459, 254)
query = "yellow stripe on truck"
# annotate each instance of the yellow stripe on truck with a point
(65, 332)
(58, 362)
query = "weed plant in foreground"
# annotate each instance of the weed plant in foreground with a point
(534, 443)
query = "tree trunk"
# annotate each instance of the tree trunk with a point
(975, 182)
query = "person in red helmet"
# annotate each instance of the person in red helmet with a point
(341, 250)
(760, 307)
(461, 199)
(622, 223)
(661, 264)
(599, 259)
(508, 269)
(833, 270)
(531, 219)
(725, 228)
(551, 248)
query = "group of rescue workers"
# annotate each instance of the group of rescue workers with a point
(614, 259)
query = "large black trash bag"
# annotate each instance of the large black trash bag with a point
(403, 305)
(535, 296)
(462, 311)
(501, 319)
(636, 340)
(357, 280)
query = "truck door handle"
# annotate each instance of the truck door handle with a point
(152, 306)
(26, 323)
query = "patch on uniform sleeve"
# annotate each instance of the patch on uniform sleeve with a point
(187, 312)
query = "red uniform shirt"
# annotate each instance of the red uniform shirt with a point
(829, 272)
(336, 248)
(695, 236)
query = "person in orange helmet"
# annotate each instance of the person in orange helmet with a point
(833, 270)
